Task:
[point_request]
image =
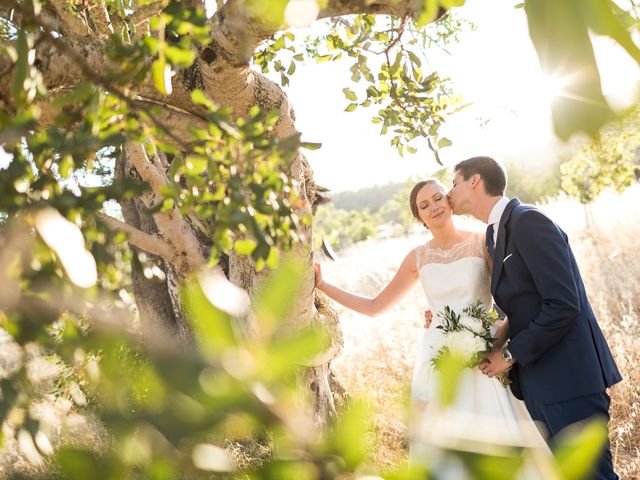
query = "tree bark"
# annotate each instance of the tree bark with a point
(160, 320)
(222, 70)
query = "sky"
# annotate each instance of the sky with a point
(496, 70)
(494, 67)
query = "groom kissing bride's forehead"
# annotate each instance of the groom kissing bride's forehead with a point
(560, 362)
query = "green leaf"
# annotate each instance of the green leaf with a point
(310, 145)
(152, 43)
(66, 165)
(179, 56)
(351, 107)
(604, 17)
(444, 142)
(415, 59)
(75, 463)
(279, 43)
(214, 327)
(428, 12)
(271, 12)
(273, 259)
(290, 348)
(349, 438)
(494, 467)
(579, 447)
(450, 368)
(350, 94)
(21, 67)
(436, 155)
(564, 47)
(196, 165)
(79, 94)
(277, 296)
(161, 72)
(396, 64)
(451, 3)
(200, 98)
(244, 247)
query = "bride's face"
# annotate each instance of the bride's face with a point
(433, 206)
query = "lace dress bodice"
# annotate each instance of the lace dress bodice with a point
(456, 277)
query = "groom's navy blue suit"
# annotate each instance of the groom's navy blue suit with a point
(563, 364)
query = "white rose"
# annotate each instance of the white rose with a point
(465, 343)
(481, 344)
(471, 323)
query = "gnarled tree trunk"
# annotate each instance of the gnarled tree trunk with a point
(177, 244)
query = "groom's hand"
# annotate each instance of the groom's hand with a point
(494, 364)
(428, 317)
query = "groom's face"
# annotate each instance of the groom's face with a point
(460, 194)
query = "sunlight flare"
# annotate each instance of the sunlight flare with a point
(66, 240)
(211, 458)
(553, 86)
(301, 13)
(223, 294)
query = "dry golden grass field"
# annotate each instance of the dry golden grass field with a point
(378, 353)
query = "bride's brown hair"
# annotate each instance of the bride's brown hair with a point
(414, 194)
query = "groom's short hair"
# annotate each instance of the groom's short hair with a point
(493, 175)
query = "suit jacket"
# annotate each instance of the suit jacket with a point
(554, 336)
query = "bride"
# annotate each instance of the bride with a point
(454, 270)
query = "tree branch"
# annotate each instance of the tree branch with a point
(238, 31)
(99, 16)
(187, 254)
(149, 243)
(145, 12)
(398, 8)
(148, 169)
(72, 23)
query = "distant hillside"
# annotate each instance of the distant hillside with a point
(531, 181)
(371, 198)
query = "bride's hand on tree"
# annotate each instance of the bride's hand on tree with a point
(319, 280)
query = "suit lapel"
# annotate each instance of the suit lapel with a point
(501, 244)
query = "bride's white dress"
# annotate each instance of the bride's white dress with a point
(484, 411)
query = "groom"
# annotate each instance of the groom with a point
(559, 361)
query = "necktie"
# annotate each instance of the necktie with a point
(490, 244)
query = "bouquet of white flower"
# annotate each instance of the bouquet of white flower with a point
(469, 334)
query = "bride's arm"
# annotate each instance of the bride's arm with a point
(402, 282)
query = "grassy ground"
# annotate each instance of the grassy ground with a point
(378, 354)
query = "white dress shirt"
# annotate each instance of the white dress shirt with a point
(496, 215)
